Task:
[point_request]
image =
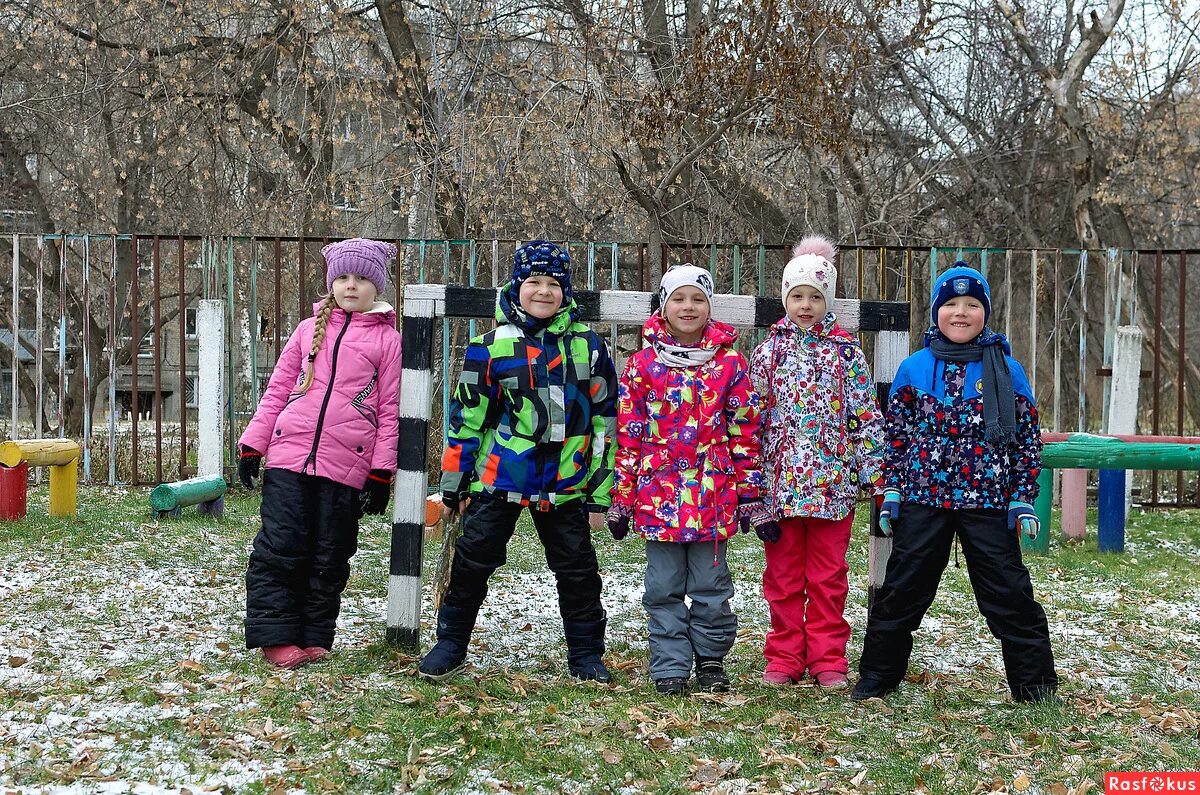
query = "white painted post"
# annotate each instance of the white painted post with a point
(210, 387)
(16, 331)
(891, 348)
(1123, 391)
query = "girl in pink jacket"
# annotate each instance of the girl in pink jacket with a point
(328, 426)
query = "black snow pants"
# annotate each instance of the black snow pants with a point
(489, 523)
(301, 560)
(920, 552)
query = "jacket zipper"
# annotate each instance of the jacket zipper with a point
(312, 456)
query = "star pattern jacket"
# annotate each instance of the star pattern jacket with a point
(936, 451)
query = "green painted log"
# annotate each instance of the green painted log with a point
(171, 496)
(1085, 451)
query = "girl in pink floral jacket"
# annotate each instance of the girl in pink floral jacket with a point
(686, 473)
(822, 445)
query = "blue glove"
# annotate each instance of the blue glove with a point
(1021, 515)
(889, 511)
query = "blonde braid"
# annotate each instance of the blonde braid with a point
(318, 337)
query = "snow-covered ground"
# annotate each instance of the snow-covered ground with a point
(108, 661)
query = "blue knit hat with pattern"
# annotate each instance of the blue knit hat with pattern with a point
(543, 258)
(961, 279)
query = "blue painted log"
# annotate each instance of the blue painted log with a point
(1110, 505)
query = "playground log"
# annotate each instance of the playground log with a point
(60, 455)
(207, 492)
(1111, 454)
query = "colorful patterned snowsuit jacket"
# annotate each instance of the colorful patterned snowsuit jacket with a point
(672, 421)
(531, 420)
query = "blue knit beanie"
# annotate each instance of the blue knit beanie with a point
(543, 258)
(961, 279)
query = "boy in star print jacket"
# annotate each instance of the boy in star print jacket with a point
(963, 456)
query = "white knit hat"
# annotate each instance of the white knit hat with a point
(686, 275)
(811, 265)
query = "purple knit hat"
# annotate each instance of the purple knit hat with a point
(367, 258)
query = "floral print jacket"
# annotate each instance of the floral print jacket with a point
(822, 427)
(687, 440)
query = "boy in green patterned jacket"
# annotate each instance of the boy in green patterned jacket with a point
(530, 425)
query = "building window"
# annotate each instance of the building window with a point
(189, 392)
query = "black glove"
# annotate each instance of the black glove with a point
(768, 532)
(249, 461)
(376, 492)
(618, 524)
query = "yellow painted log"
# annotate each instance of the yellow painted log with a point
(39, 452)
(64, 488)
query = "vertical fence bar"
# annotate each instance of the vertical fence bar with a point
(932, 268)
(471, 279)
(1057, 340)
(16, 331)
(134, 343)
(1109, 332)
(278, 300)
(1158, 323)
(86, 323)
(183, 408)
(1033, 319)
(231, 432)
(612, 329)
(256, 323)
(446, 352)
(1081, 407)
(39, 395)
(112, 364)
(1181, 379)
(300, 313)
(155, 270)
(1008, 280)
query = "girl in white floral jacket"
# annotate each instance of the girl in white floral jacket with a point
(822, 443)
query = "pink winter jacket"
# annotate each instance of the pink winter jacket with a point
(346, 424)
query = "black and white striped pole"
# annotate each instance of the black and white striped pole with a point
(408, 507)
(424, 303)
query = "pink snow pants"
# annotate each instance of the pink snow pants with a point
(805, 584)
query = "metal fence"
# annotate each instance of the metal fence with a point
(85, 306)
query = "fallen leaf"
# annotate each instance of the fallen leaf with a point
(1021, 783)
(860, 778)
(612, 757)
(17, 662)
(658, 742)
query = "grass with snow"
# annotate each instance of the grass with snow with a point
(122, 670)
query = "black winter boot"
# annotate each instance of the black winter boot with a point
(585, 648)
(870, 687)
(710, 675)
(446, 658)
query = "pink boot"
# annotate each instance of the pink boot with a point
(316, 653)
(285, 656)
